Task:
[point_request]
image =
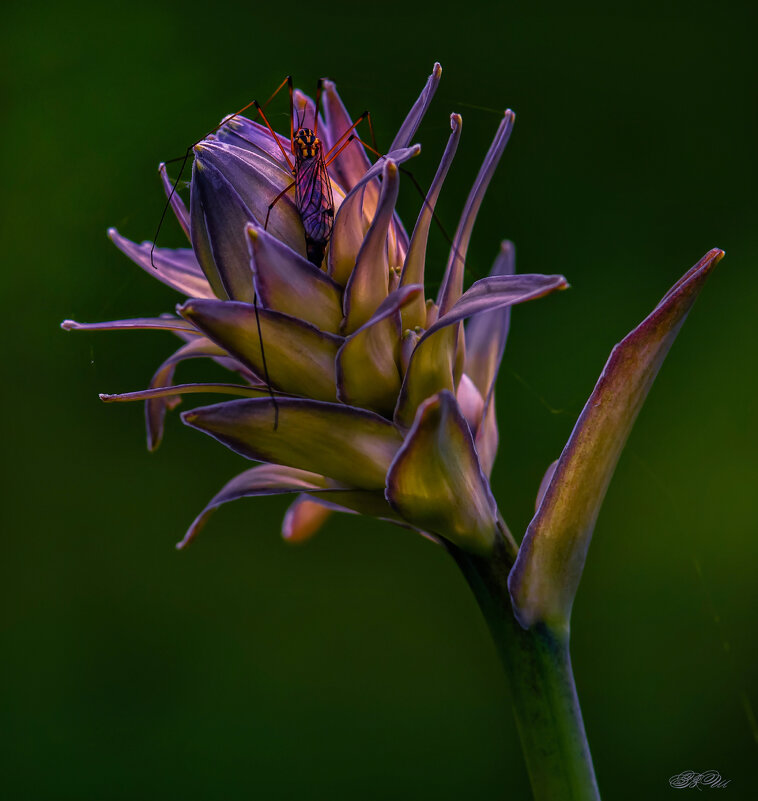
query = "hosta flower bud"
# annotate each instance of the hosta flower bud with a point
(357, 390)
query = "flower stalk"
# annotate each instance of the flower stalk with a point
(545, 703)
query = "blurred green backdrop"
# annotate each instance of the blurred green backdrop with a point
(357, 666)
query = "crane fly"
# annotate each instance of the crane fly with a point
(313, 187)
(314, 200)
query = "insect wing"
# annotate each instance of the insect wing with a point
(313, 196)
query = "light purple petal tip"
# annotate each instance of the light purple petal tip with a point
(452, 284)
(415, 260)
(416, 114)
(168, 323)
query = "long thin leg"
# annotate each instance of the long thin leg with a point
(168, 203)
(292, 119)
(371, 131)
(186, 156)
(347, 133)
(265, 366)
(437, 220)
(345, 144)
(274, 202)
(257, 318)
(288, 81)
(334, 155)
(276, 138)
(319, 90)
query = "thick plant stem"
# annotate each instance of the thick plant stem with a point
(545, 703)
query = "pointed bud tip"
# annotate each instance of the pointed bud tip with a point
(186, 539)
(186, 309)
(437, 69)
(69, 325)
(711, 259)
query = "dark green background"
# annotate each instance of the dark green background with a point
(357, 667)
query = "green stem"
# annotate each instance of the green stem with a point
(545, 703)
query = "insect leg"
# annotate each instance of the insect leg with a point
(288, 81)
(186, 156)
(358, 139)
(275, 201)
(415, 183)
(258, 321)
(331, 156)
(427, 204)
(168, 203)
(345, 134)
(259, 109)
(437, 221)
(265, 366)
(319, 90)
(371, 131)
(328, 161)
